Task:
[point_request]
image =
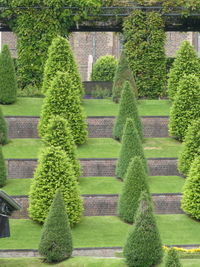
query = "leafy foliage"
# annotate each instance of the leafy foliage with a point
(172, 259)
(54, 171)
(3, 129)
(3, 172)
(8, 82)
(56, 239)
(134, 183)
(143, 247)
(127, 109)
(185, 107)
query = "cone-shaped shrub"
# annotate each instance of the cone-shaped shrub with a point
(127, 109)
(123, 73)
(172, 259)
(3, 130)
(143, 247)
(131, 147)
(3, 172)
(186, 62)
(61, 58)
(56, 239)
(61, 100)
(8, 81)
(54, 171)
(185, 107)
(191, 147)
(134, 183)
(191, 191)
(59, 134)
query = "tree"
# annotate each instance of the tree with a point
(3, 130)
(185, 107)
(186, 62)
(172, 259)
(127, 109)
(134, 183)
(191, 193)
(131, 147)
(62, 100)
(54, 171)
(3, 172)
(8, 81)
(56, 239)
(191, 147)
(122, 74)
(143, 247)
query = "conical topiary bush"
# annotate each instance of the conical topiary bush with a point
(3, 129)
(172, 259)
(3, 172)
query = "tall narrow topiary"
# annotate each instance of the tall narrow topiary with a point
(56, 239)
(8, 81)
(191, 147)
(62, 100)
(3, 129)
(122, 74)
(191, 191)
(3, 172)
(127, 109)
(134, 183)
(172, 259)
(185, 107)
(143, 247)
(131, 147)
(185, 63)
(61, 58)
(54, 171)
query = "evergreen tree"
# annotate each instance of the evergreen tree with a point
(143, 247)
(172, 259)
(185, 107)
(127, 109)
(56, 239)
(60, 58)
(186, 62)
(122, 74)
(59, 134)
(54, 171)
(131, 147)
(61, 100)
(191, 147)
(3, 172)
(191, 191)
(134, 183)
(8, 81)
(3, 129)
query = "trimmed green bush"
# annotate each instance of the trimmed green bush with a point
(104, 69)
(191, 193)
(172, 259)
(185, 63)
(143, 247)
(127, 109)
(122, 74)
(56, 239)
(54, 171)
(59, 134)
(191, 147)
(61, 58)
(185, 107)
(8, 81)
(134, 183)
(3, 172)
(62, 100)
(131, 147)
(3, 129)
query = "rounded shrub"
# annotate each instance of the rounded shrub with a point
(127, 109)
(62, 100)
(54, 171)
(122, 74)
(56, 239)
(185, 107)
(191, 193)
(134, 183)
(61, 58)
(143, 247)
(3, 129)
(8, 81)
(104, 69)
(3, 172)
(186, 62)
(191, 147)
(172, 259)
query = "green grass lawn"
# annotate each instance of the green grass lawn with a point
(30, 106)
(95, 148)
